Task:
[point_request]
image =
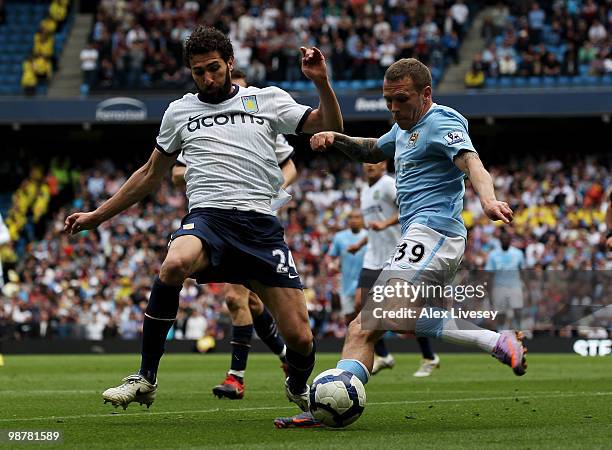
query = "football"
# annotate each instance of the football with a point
(337, 398)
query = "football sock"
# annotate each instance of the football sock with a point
(299, 368)
(425, 345)
(241, 345)
(380, 349)
(457, 331)
(355, 367)
(266, 329)
(159, 318)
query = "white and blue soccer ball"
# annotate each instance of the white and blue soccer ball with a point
(337, 398)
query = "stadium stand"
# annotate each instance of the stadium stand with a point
(32, 36)
(96, 286)
(140, 43)
(544, 44)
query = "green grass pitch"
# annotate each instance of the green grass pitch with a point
(471, 401)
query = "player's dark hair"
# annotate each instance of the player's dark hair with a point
(238, 74)
(205, 39)
(410, 67)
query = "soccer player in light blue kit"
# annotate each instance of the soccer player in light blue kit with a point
(350, 263)
(433, 152)
(507, 293)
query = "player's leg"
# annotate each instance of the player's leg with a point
(186, 255)
(237, 301)
(267, 330)
(430, 360)
(288, 307)
(382, 358)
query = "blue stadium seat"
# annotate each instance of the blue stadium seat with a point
(563, 81)
(505, 82)
(520, 82)
(549, 81)
(535, 81)
(588, 80)
(583, 69)
(607, 79)
(342, 84)
(491, 83)
(373, 84)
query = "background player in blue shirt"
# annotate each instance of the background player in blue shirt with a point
(506, 263)
(350, 263)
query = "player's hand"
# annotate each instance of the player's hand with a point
(377, 225)
(609, 242)
(322, 141)
(352, 249)
(313, 64)
(80, 221)
(497, 210)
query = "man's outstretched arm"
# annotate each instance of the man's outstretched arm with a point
(360, 149)
(142, 182)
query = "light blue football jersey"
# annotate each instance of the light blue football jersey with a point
(430, 187)
(506, 264)
(350, 264)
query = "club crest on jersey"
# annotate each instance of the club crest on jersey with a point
(413, 139)
(376, 195)
(454, 137)
(249, 102)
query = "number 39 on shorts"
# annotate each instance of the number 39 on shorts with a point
(409, 251)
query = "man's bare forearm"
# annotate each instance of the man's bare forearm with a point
(329, 108)
(469, 162)
(359, 149)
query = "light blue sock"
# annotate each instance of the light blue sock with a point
(356, 368)
(430, 326)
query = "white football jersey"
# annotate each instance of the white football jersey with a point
(229, 148)
(283, 151)
(378, 203)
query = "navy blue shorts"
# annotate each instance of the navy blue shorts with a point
(367, 278)
(241, 246)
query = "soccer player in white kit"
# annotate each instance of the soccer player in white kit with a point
(246, 310)
(380, 212)
(227, 135)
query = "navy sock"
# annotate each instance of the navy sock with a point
(266, 329)
(425, 345)
(159, 318)
(241, 345)
(380, 348)
(299, 368)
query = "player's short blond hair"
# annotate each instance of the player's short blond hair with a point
(410, 67)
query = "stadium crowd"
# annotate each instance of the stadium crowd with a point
(544, 39)
(139, 44)
(95, 285)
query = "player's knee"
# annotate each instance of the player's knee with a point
(175, 268)
(234, 302)
(299, 340)
(256, 306)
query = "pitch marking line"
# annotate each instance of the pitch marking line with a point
(266, 408)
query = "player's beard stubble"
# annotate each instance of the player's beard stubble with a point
(217, 94)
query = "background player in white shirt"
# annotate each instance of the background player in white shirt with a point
(246, 310)
(227, 135)
(381, 215)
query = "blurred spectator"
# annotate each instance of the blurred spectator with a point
(89, 64)
(29, 80)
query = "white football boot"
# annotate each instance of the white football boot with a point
(302, 400)
(135, 388)
(427, 367)
(383, 362)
